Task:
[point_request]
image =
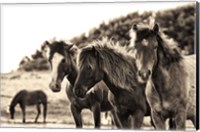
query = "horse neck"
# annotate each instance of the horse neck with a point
(72, 76)
(166, 54)
(112, 87)
(128, 83)
(15, 101)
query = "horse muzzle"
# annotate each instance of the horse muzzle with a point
(55, 87)
(143, 75)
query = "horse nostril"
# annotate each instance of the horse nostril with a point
(144, 74)
(79, 93)
(139, 73)
(149, 72)
(57, 86)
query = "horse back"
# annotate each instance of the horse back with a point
(190, 64)
(35, 97)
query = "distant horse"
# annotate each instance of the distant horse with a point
(110, 62)
(24, 98)
(62, 57)
(165, 71)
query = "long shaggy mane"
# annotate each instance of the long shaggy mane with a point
(113, 59)
(168, 48)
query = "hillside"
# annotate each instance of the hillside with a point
(176, 23)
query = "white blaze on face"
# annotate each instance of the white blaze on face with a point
(55, 62)
(47, 52)
(145, 42)
(133, 38)
(139, 62)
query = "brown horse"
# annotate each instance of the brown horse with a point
(62, 57)
(107, 61)
(24, 98)
(165, 71)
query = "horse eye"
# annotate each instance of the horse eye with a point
(155, 47)
(89, 67)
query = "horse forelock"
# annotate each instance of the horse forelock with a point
(113, 59)
(59, 47)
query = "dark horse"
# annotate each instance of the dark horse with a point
(28, 98)
(165, 71)
(104, 60)
(62, 57)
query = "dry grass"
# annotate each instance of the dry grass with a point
(59, 115)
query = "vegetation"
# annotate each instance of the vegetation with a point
(176, 23)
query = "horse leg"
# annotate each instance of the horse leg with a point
(138, 119)
(159, 120)
(151, 121)
(96, 109)
(172, 124)
(39, 111)
(193, 119)
(180, 119)
(45, 111)
(123, 117)
(77, 116)
(115, 119)
(22, 106)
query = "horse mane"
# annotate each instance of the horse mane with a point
(168, 48)
(113, 59)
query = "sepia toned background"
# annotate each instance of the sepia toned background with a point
(30, 69)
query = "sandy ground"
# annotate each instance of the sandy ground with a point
(59, 115)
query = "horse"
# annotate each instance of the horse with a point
(62, 57)
(165, 72)
(104, 60)
(27, 98)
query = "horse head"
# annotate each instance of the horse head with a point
(89, 72)
(11, 110)
(145, 50)
(61, 58)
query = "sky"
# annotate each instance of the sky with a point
(24, 27)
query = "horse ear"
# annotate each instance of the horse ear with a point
(70, 46)
(135, 26)
(47, 43)
(156, 28)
